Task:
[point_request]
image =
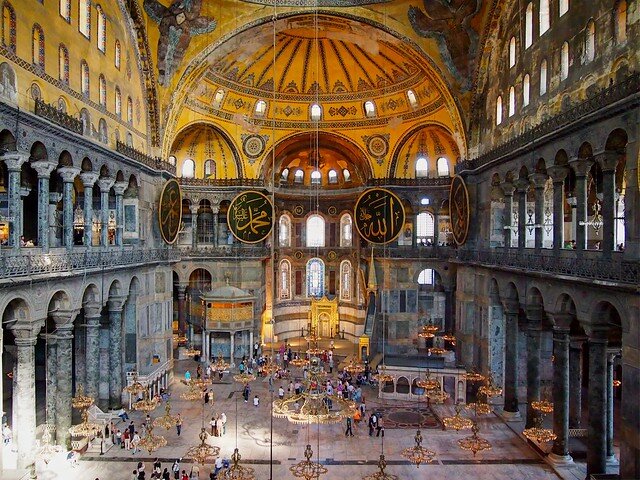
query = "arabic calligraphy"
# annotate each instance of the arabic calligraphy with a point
(250, 217)
(170, 211)
(459, 204)
(379, 215)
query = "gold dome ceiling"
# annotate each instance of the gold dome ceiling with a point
(431, 142)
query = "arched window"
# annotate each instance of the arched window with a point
(543, 77)
(544, 16)
(590, 41)
(346, 174)
(345, 280)
(315, 278)
(315, 231)
(621, 21)
(284, 175)
(102, 29)
(498, 110)
(188, 168)
(413, 101)
(426, 277)
(316, 112)
(260, 108)
(62, 105)
(209, 168)
(425, 227)
(422, 167)
(564, 61)
(512, 52)
(333, 176)
(8, 27)
(369, 109)
(118, 102)
(528, 26)
(37, 46)
(129, 110)
(117, 54)
(103, 90)
(65, 9)
(346, 230)
(172, 160)
(84, 17)
(102, 131)
(316, 177)
(512, 101)
(443, 167)
(84, 78)
(526, 90)
(63, 64)
(298, 176)
(285, 280)
(284, 231)
(563, 7)
(217, 98)
(425, 201)
(129, 139)
(85, 118)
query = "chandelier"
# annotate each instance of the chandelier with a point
(474, 443)
(617, 383)
(543, 406)
(47, 450)
(479, 408)
(382, 376)
(180, 338)
(538, 433)
(437, 351)
(314, 351)
(136, 387)
(428, 383)
(152, 442)
(146, 404)
(489, 389)
(199, 383)
(191, 352)
(167, 420)
(299, 361)
(418, 454)
(437, 396)
(200, 453)
(457, 422)
(428, 331)
(307, 468)
(86, 428)
(220, 365)
(473, 377)
(448, 337)
(381, 474)
(81, 401)
(237, 471)
(244, 378)
(193, 393)
(354, 367)
(270, 367)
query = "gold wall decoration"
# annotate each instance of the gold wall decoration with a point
(250, 217)
(379, 215)
(459, 209)
(170, 211)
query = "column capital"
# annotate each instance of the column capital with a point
(511, 306)
(561, 321)
(115, 303)
(25, 191)
(64, 331)
(14, 161)
(120, 187)
(49, 338)
(105, 183)
(581, 166)
(522, 185)
(63, 317)
(68, 174)
(538, 179)
(577, 341)
(43, 168)
(88, 178)
(535, 313)
(194, 209)
(54, 197)
(26, 334)
(507, 188)
(558, 173)
(92, 310)
(597, 333)
(613, 352)
(607, 160)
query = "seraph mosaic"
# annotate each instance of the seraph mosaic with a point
(448, 21)
(177, 23)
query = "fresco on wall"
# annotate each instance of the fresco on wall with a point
(177, 23)
(448, 21)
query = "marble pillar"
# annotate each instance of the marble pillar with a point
(194, 225)
(182, 309)
(64, 380)
(51, 377)
(560, 450)
(596, 436)
(575, 383)
(251, 343)
(68, 175)
(115, 305)
(608, 161)
(539, 181)
(511, 410)
(581, 167)
(88, 181)
(92, 351)
(54, 239)
(105, 184)
(522, 186)
(119, 188)
(215, 227)
(558, 174)
(534, 332)
(508, 188)
(14, 165)
(232, 347)
(43, 169)
(611, 355)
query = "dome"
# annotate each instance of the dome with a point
(430, 143)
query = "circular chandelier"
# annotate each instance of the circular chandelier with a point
(474, 443)
(191, 352)
(270, 367)
(437, 351)
(617, 383)
(418, 454)
(543, 406)
(146, 404)
(307, 468)
(199, 383)
(237, 471)
(47, 449)
(86, 428)
(354, 367)
(457, 422)
(428, 331)
(192, 393)
(473, 376)
(479, 408)
(538, 433)
(298, 361)
(81, 401)
(180, 338)
(244, 378)
(437, 396)
(152, 442)
(428, 383)
(200, 453)
(167, 420)
(448, 337)
(220, 365)
(382, 376)
(314, 351)
(489, 389)
(136, 387)
(381, 474)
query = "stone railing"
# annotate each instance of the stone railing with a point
(153, 162)
(14, 265)
(413, 253)
(51, 113)
(589, 266)
(221, 182)
(225, 251)
(604, 98)
(410, 182)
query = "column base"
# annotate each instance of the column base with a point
(560, 460)
(511, 416)
(612, 461)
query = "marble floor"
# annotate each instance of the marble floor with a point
(354, 457)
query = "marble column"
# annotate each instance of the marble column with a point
(88, 181)
(105, 184)
(596, 436)
(534, 331)
(215, 226)
(511, 410)
(14, 166)
(560, 451)
(92, 350)
(558, 174)
(115, 305)
(581, 168)
(611, 456)
(119, 188)
(64, 334)
(232, 347)
(508, 188)
(182, 308)
(43, 169)
(251, 343)
(608, 161)
(194, 225)
(575, 382)
(24, 193)
(54, 229)
(51, 377)
(631, 238)
(522, 187)
(68, 175)
(539, 181)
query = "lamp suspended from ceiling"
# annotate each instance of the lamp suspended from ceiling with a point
(418, 454)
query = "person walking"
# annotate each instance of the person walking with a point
(166, 475)
(127, 439)
(179, 425)
(212, 424)
(372, 423)
(380, 428)
(134, 442)
(219, 426)
(223, 419)
(187, 376)
(349, 431)
(176, 470)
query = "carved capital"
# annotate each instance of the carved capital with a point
(522, 185)
(92, 310)
(538, 180)
(597, 333)
(581, 166)
(105, 183)
(558, 173)
(14, 161)
(561, 321)
(68, 174)
(43, 168)
(120, 187)
(26, 333)
(88, 178)
(607, 160)
(507, 188)
(511, 307)
(63, 317)
(115, 304)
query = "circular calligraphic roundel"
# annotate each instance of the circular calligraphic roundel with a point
(253, 146)
(459, 209)
(379, 215)
(170, 211)
(250, 217)
(377, 146)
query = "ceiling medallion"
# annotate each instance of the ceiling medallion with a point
(253, 145)
(459, 209)
(377, 145)
(298, 210)
(332, 210)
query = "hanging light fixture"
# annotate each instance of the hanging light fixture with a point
(418, 454)
(473, 376)
(237, 471)
(47, 450)
(192, 393)
(167, 420)
(457, 422)
(543, 406)
(220, 365)
(202, 452)
(383, 376)
(354, 367)
(146, 404)
(381, 474)
(152, 442)
(307, 468)
(474, 443)
(86, 428)
(490, 390)
(479, 408)
(429, 330)
(191, 352)
(438, 351)
(538, 433)
(136, 387)
(81, 401)
(428, 383)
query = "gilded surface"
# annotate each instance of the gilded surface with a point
(379, 215)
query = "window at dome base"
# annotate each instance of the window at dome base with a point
(426, 277)
(316, 112)
(347, 175)
(422, 168)
(188, 168)
(425, 227)
(316, 177)
(443, 167)
(261, 108)
(315, 231)
(413, 101)
(285, 174)
(369, 109)
(333, 176)
(298, 176)
(425, 201)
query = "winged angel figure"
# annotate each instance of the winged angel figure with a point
(177, 24)
(448, 22)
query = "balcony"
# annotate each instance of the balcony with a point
(243, 251)
(51, 113)
(153, 162)
(220, 182)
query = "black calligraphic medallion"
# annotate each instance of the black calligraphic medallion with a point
(459, 209)
(250, 217)
(379, 215)
(170, 211)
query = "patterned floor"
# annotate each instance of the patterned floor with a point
(409, 415)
